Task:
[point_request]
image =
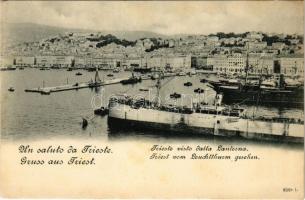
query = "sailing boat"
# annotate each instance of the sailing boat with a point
(97, 81)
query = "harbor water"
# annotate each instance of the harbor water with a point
(32, 116)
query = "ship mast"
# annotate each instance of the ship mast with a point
(259, 89)
(247, 65)
(295, 68)
(97, 77)
(158, 85)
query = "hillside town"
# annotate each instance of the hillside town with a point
(219, 53)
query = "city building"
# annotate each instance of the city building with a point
(54, 61)
(200, 62)
(218, 62)
(223, 63)
(24, 60)
(259, 64)
(255, 36)
(212, 39)
(292, 65)
(179, 62)
(256, 46)
(79, 61)
(103, 63)
(278, 45)
(294, 41)
(236, 62)
(173, 62)
(6, 60)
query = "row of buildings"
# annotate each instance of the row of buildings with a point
(158, 63)
(220, 63)
(257, 63)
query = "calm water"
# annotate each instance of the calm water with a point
(59, 115)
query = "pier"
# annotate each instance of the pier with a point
(76, 86)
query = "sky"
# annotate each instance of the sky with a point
(196, 17)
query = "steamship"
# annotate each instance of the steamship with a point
(268, 91)
(200, 118)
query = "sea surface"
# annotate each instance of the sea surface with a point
(32, 116)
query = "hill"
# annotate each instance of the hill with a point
(14, 33)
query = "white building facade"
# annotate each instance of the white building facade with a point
(233, 63)
(292, 66)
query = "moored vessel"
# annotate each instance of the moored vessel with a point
(132, 80)
(97, 81)
(266, 92)
(200, 118)
(11, 89)
(8, 68)
(263, 90)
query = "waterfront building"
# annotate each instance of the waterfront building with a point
(56, 61)
(200, 62)
(179, 62)
(79, 61)
(219, 62)
(131, 63)
(25, 60)
(103, 63)
(173, 62)
(259, 64)
(236, 62)
(233, 63)
(156, 63)
(6, 60)
(44, 61)
(292, 65)
(63, 61)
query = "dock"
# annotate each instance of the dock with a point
(76, 86)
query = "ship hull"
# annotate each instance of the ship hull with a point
(161, 128)
(142, 70)
(119, 124)
(291, 97)
(126, 118)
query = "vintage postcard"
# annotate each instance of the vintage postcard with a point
(152, 99)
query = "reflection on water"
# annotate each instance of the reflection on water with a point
(31, 116)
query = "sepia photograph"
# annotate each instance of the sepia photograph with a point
(133, 99)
